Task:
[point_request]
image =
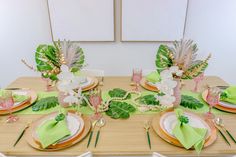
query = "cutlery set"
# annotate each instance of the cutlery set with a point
(218, 122)
(97, 123)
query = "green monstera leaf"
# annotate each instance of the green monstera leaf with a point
(120, 110)
(190, 102)
(164, 58)
(45, 103)
(48, 61)
(149, 100)
(117, 92)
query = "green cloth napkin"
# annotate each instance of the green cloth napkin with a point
(153, 77)
(229, 95)
(52, 131)
(16, 97)
(188, 136)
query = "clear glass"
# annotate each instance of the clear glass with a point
(197, 80)
(136, 77)
(213, 98)
(95, 99)
(7, 103)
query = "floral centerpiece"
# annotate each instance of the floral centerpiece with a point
(176, 63)
(50, 58)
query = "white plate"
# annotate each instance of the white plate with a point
(169, 120)
(87, 83)
(17, 103)
(73, 124)
(227, 104)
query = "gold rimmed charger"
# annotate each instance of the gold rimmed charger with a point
(24, 104)
(221, 106)
(165, 135)
(33, 141)
(144, 83)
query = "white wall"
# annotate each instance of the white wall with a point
(204, 24)
(212, 24)
(23, 25)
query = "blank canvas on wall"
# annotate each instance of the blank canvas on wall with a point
(82, 20)
(153, 20)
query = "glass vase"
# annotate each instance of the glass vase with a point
(61, 97)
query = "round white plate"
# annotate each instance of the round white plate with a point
(87, 83)
(17, 103)
(169, 120)
(227, 104)
(74, 125)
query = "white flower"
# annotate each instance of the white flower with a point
(166, 74)
(175, 70)
(67, 80)
(71, 99)
(166, 100)
(166, 86)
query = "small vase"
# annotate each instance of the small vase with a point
(61, 97)
(177, 94)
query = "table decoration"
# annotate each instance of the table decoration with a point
(190, 102)
(23, 98)
(195, 136)
(223, 106)
(212, 98)
(221, 133)
(164, 123)
(229, 95)
(153, 77)
(220, 123)
(91, 132)
(45, 103)
(175, 63)
(21, 135)
(95, 99)
(7, 103)
(136, 77)
(78, 126)
(50, 58)
(197, 80)
(101, 123)
(118, 92)
(147, 127)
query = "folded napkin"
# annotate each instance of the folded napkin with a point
(187, 135)
(16, 97)
(153, 77)
(229, 95)
(53, 130)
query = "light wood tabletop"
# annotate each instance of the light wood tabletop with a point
(118, 137)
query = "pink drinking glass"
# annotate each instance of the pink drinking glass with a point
(213, 98)
(197, 80)
(7, 102)
(48, 84)
(136, 77)
(95, 99)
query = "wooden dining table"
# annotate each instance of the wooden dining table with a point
(118, 137)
